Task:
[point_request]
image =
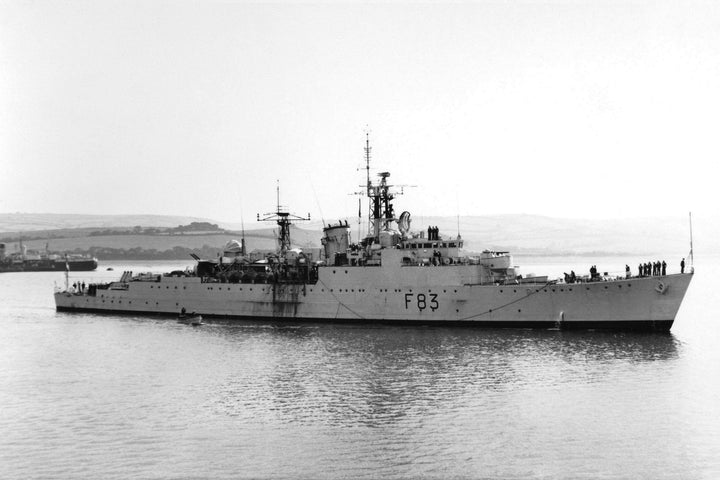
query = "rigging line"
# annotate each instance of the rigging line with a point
(317, 202)
(341, 303)
(508, 304)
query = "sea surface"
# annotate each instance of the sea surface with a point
(111, 396)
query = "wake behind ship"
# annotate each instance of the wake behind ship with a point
(393, 275)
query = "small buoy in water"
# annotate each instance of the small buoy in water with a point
(109, 269)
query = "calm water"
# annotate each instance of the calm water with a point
(88, 396)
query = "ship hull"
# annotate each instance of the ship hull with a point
(649, 303)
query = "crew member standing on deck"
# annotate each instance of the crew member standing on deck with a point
(682, 266)
(664, 267)
(627, 271)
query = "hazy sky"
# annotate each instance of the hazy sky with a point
(562, 108)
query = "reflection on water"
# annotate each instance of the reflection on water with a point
(357, 375)
(87, 396)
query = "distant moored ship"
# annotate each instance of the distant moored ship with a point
(31, 261)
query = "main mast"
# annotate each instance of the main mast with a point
(371, 231)
(380, 211)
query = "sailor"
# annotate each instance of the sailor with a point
(627, 271)
(664, 267)
(572, 276)
(682, 266)
(640, 270)
(83, 287)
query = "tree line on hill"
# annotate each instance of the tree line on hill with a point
(139, 253)
(193, 227)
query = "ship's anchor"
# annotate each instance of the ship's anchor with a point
(661, 288)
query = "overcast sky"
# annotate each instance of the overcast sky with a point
(561, 108)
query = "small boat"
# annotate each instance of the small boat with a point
(193, 319)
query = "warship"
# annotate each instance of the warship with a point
(393, 275)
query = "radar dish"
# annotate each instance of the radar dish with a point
(404, 222)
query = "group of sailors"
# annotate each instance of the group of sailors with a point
(571, 277)
(79, 287)
(648, 269)
(653, 269)
(433, 233)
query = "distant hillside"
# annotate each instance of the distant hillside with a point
(28, 222)
(150, 246)
(547, 235)
(520, 234)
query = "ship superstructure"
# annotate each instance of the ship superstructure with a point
(392, 275)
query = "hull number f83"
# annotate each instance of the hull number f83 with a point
(421, 301)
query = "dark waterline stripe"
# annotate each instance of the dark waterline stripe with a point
(637, 325)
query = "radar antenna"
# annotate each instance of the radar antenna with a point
(283, 218)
